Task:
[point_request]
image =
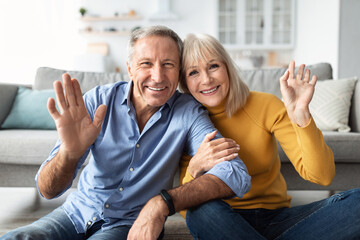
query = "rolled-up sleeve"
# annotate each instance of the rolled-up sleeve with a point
(234, 174)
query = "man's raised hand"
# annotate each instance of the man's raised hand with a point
(75, 128)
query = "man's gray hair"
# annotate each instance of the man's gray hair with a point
(161, 31)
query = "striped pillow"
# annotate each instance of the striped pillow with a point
(330, 105)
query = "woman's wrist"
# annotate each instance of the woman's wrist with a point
(193, 170)
(300, 117)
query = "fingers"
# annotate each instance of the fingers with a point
(60, 97)
(300, 72)
(227, 158)
(222, 148)
(52, 109)
(284, 78)
(72, 95)
(313, 80)
(99, 115)
(292, 69)
(307, 75)
(210, 136)
(69, 89)
(222, 143)
(78, 93)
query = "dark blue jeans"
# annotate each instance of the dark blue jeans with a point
(57, 226)
(337, 217)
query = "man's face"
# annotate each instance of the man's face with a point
(154, 71)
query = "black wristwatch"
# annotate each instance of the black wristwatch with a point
(168, 200)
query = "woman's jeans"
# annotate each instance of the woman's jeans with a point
(58, 226)
(337, 217)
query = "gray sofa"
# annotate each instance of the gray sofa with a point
(23, 150)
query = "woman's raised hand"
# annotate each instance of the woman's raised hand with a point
(75, 128)
(297, 92)
(211, 153)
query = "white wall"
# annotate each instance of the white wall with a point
(349, 37)
(45, 32)
(193, 16)
(317, 32)
(35, 33)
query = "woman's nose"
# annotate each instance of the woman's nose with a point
(206, 79)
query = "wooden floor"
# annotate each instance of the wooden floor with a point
(21, 206)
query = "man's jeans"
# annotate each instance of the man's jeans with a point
(337, 217)
(57, 226)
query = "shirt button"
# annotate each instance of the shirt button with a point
(89, 223)
(107, 205)
(131, 169)
(94, 218)
(137, 145)
(120, 189)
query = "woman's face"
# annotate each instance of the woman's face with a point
(208, 81)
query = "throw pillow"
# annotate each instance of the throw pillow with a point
(29, 110)
(330, 105)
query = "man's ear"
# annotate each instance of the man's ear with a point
(129, 70)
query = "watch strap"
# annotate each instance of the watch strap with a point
(169, 202)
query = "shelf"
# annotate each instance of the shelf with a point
(102, 33)
(110, 18)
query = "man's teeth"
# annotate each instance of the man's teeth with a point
(210, 91)
(156, 89)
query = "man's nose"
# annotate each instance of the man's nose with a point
(156, 73)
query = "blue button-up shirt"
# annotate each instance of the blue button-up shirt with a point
(127, 168)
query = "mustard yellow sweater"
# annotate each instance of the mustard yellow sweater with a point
(256, 127)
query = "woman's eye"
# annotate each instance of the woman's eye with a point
(213, 66)
(192, 73)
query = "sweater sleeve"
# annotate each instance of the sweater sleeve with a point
(305, 148)
(184, 176)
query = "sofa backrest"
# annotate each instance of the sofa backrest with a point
(7, 97)
(45, 76)
(267, 79)
(262, 80)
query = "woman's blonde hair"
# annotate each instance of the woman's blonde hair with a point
(202, 47)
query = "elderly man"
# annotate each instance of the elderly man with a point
(136, 132)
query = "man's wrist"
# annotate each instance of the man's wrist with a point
(169, 202)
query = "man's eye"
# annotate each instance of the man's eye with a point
(214, 66)
(145, 64)
(192, 73)
(168, 65)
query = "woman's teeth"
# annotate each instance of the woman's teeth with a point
(210, 91)
(156, 89)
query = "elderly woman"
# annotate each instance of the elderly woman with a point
(255, 121)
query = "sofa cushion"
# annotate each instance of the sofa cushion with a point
(330, 105)
(29, 147)
(345, 146)
(45, 77)
(7, 97)
(29, 110)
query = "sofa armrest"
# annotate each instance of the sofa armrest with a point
(354, 119)
(7, 97)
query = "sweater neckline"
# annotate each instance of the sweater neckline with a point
(217, 109)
